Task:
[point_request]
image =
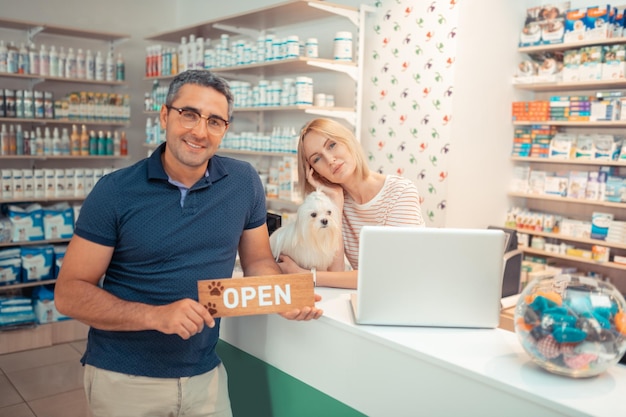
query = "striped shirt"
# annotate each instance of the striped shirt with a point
(397, 204)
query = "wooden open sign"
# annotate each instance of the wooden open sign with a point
(256, 295)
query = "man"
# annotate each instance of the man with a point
(152, 230)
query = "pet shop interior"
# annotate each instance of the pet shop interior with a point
(505, 114)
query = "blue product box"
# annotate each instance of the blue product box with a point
(600, 225)
(27, 222)
(43, 304)
(37, 263)
(58, 221)
(15, 311)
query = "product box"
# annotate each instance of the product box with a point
(519, 181)
(58, 221)
(28, 181)
(614, 66)
(571, 65)
(600, 225)
(43, 304)
(49, 183)
(556, 184)
(18, 184)
(562, 146)
(574, 25)
(605, 147)
(37, 262)
(598, 22)
(592, 191)
(577, 186)
(16, 310)
(10, 266)
(26, 222)
(584, 146)
(591, 63)
(536, 182)
(544, 24)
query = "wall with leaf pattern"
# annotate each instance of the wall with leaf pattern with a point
(409, 57)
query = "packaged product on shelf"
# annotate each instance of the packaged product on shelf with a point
(600, 225)
(597, 22)
(59, 254)
(39, 183)
(18, 184)
(592, 192)
(606, 148)
(591, 64)
(584, 146)
(536, 181)
(614, 65)
(531, 32)
(26, 222)
(37, 262)
(49, 184)
(616, 232)
(519, 182)
(58, 221)
(43, 304)
(575, 25)
(615, 189)
(571, 65)
(556, 184)
(10, 269)
(562, 146)
(5, 229)
(59, 182)
(28, 182)
(577, 186)
(16, 310)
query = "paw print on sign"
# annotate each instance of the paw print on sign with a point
(211, 308)
(216, 288)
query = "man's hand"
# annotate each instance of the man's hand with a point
(184, 318)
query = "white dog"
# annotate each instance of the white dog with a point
(313, 238)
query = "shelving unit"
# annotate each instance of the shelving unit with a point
(57, 332)
(275, 18)
(571, 207)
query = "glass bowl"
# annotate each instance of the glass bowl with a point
(572, 326)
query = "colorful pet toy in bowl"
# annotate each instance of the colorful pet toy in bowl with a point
(572, 326)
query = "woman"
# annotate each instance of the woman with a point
(331, 159)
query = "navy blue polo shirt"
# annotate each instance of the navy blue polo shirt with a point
(162, 250)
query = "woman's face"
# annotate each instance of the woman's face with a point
(329, 158)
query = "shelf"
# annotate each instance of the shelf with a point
(256, 20)
(573, 85)
(578, 259)
(40, 78)
(305, 108)
(26, 284)
(36, 28)
(571, 45)
(33, 242)
(40, 199)
(63, 122)
(259, 153)
(573, 239)
(569, 200)
(569, 161)
(64, 157)
(619, 123)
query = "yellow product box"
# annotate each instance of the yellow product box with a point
(600, 253)
(580, 253)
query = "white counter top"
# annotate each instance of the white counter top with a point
(386, 370)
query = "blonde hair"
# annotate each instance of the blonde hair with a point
(337, 132)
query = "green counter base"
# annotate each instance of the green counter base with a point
(258, 389)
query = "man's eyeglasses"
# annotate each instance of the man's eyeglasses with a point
(190, 118)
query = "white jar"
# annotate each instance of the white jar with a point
(320, 100)
(292, 47)
(311, 48)
(342, 50)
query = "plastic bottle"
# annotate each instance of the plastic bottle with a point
(90, 65)
(23, 64)
(27, 147)
(44, 61)
(199, 53)
(33, 58)
(93, 143)
(47, 142)
(57, 148)
(110, 67)
(108, 143)
(84, 141)
(39, 145)
(191, 52)
(120, 72)
(182, 55)
(80, 64)
(12, 58)
(54, 62)
(149, 132)
(99, 65)
(75, 141)
(62, 61)
(65, 142)
(123, 144)
(3, 57)
(19, 140)
(70, 64)
(102, 146)
(11, 140)
(117, 144)
(4, 140)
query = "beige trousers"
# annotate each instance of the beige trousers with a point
(112, 394)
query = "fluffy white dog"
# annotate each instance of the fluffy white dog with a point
(312, 239)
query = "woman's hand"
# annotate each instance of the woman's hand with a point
(333, 191)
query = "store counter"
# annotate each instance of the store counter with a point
(409, 371)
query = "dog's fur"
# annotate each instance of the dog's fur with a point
(312, 239)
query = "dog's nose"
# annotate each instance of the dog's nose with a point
(324, 222)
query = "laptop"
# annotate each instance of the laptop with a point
(439, 277)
